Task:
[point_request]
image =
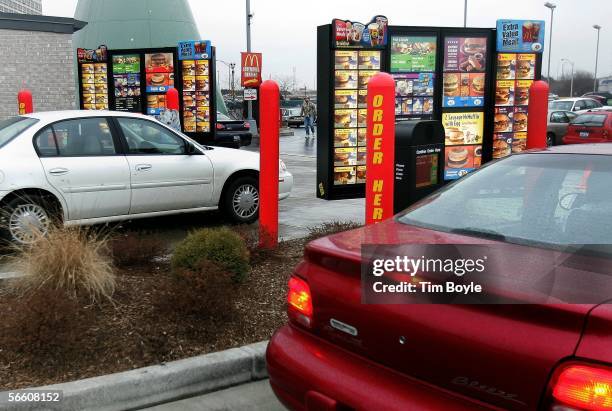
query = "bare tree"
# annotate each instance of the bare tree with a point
(285, 83)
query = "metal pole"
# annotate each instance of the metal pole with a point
(248, 36)
(572, 82)
(596, 27)
(552, 16)
(465, 14)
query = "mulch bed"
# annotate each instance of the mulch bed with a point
(137, 331)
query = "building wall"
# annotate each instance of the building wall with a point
(21, 6)
(41, 62)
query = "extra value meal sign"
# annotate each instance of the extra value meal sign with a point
(251, 69)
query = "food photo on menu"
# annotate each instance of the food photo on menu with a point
(345, 118)
(345, 156)
(413, 54)
(361, 174)
(346, 60)
(521, 92)
(345, 137)
(202, 68)
(364, 78)
(460, 157)
(504, 93)
(525, 66)
(465, 54)
(346, 79)
(519, 142)
(345, 99)
(506, 66)
(344, 175)
(520, 119)
(502, 145)
(463, 128)
(503, 120)
(369, 60)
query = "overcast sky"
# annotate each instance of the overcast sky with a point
(285, 31)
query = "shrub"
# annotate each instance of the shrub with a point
(333, 227)
(208, 291)
(46, 324)
(219, 245)
(136, 249)
(72, 261)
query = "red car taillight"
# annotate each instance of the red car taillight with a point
(247, 125)
(220, 126)
(582, 387)
(299, 301)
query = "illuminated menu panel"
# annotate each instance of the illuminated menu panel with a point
(515, 73)
(126, 79)
(464, 82)
(413, 62)
(353, 70)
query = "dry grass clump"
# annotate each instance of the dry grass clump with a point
(74, 261)
(330, 228)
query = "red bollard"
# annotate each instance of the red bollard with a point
(380, 141)
(269, 104)
(24, 99)
(172, 99)
(538, 115)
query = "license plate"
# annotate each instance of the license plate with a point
(236, 138)
(584, 134)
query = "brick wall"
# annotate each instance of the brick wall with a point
(43, 63)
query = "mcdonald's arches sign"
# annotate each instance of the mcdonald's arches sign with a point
(251, 69)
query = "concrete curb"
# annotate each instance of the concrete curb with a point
(156, 384)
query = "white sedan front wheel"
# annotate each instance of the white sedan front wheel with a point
(25, 219)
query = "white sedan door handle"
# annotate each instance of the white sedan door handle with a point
(143, 167)
(60, 171)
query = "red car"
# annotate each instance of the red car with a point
(339, 354)
(590, 127)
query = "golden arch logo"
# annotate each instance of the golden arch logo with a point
(251, 69)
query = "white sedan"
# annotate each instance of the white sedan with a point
(86, 167)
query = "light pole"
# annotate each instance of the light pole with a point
(249, 16)
(465, 14)
(598, 28)
(563, 61)
(552, 7)
(230, 71)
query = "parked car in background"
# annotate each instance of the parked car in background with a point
(84, 167)
(553, 96)
(232, 133)
(295, 117)
(578, 104)
(337, 353)
(603, 97)
(558, 121)
(591, 127)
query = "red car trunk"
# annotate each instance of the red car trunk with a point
(468, 349)
(590, 128)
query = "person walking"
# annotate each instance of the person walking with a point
(309, 111)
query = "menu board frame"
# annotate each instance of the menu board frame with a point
(94, 58)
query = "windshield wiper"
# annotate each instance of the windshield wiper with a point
(480, 232)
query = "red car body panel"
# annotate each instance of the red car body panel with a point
(471, 351)
(596, 134)
(453, 357)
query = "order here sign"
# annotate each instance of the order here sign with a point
(251, 69)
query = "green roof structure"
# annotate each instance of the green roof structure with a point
(133, 24)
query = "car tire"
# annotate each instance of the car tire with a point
(550, 139)
(22, 214)
(241, 200)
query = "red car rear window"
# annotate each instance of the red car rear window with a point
(590, 120)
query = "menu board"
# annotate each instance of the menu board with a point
(463, 133)
(515, 73)
(126, 80)
(94, 78)
(464, 71)
(353, 70)
(413, 54)
(196, 96)
(426, 170)
(413, 63)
